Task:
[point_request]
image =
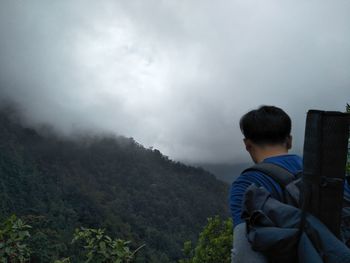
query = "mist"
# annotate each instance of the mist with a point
(174, 75)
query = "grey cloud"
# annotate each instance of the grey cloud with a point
(176, 75)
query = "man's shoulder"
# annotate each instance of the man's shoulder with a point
(249, 177)
(291, 162)
(259, 178)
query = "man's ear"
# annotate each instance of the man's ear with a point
(289, 142)
(248, 144)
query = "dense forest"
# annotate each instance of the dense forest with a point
(56, 184)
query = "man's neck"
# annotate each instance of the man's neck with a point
(262, 153)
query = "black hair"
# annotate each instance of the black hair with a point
(267, 125)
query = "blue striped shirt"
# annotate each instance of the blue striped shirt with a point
(293, 163)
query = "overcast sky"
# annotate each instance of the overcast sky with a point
(176, 75)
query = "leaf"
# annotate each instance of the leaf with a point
(102, 246)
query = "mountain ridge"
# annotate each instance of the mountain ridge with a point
(103, 181)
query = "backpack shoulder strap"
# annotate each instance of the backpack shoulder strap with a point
(282, 176)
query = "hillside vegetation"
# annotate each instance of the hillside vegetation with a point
(57, 184)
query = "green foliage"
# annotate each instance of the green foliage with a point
(58, 184)
(45, 242)
(214, 243)
(64, 260)
(97, 246)
(100, 248)
(13, 236)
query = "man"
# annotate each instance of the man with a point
(267, 139)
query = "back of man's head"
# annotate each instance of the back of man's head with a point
(267, 125)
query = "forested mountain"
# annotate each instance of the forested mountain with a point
(57, 184)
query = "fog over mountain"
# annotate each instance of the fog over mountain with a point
(174, 75)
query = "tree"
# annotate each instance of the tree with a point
(13, 236)
(214, 243)
(100, 248)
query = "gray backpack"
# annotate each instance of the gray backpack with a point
(270, 223)
(290, 183)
